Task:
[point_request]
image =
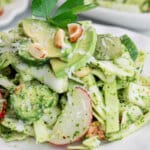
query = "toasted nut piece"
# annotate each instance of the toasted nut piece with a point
(96, 130)
(1, 11)
(59, 38)
(19, 88)
(82, 72)
(37, 51)
(75, 31)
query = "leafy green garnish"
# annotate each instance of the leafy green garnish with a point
(42, 8)
(65, 14)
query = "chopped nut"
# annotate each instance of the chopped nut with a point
(37, 51)
(96, 130)
(19, 88)
(75, 31)
(59, 38)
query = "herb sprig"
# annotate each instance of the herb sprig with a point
(63, 15)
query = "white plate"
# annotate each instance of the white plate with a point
(12, 10)
(138, 21)
(137, 141)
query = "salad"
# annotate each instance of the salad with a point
(2, 5)
(61, 82)
(134, 6)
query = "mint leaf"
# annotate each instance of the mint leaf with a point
(68, 6)
(43, 8)
(63, 19)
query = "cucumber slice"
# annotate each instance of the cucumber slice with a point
(130, 45)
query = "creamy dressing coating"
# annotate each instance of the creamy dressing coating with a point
(20, 126)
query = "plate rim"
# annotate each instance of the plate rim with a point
(137, 21)
(14, 12)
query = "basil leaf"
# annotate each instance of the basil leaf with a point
(43, 8)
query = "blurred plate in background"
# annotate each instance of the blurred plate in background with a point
(13, 9)
(137, 141)
(138, 21)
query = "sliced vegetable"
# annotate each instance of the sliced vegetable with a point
(130, 129)
(33, 53)
(97, 99)
(92, 143)
(129, 114)
(9, 135)
(50, 116)
(18, 126)
(4, 82)
(6, 59)
(112, 107)
(130, 45)
(66, 130)
(44, 75)
(2, 106)
(82, 51)
(108, 47)
(139, 95)
(41, 131)
(109, 69)
(41, 32)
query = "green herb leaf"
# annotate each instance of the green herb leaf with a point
(68, 6)
(83, 8)
(43, 8)
(65, 14)
(63, 19)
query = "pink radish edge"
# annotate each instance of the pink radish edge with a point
(90, 119)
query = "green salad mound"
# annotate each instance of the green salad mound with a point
(61, 82)
(133, 6)
(44, 95)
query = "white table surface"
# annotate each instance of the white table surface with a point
(27, 13)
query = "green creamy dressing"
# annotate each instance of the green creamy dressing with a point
(49, 99)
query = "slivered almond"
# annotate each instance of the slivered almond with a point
(37, 51)
(59, 38)
(75, 31)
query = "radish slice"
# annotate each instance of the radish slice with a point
(75, 119)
